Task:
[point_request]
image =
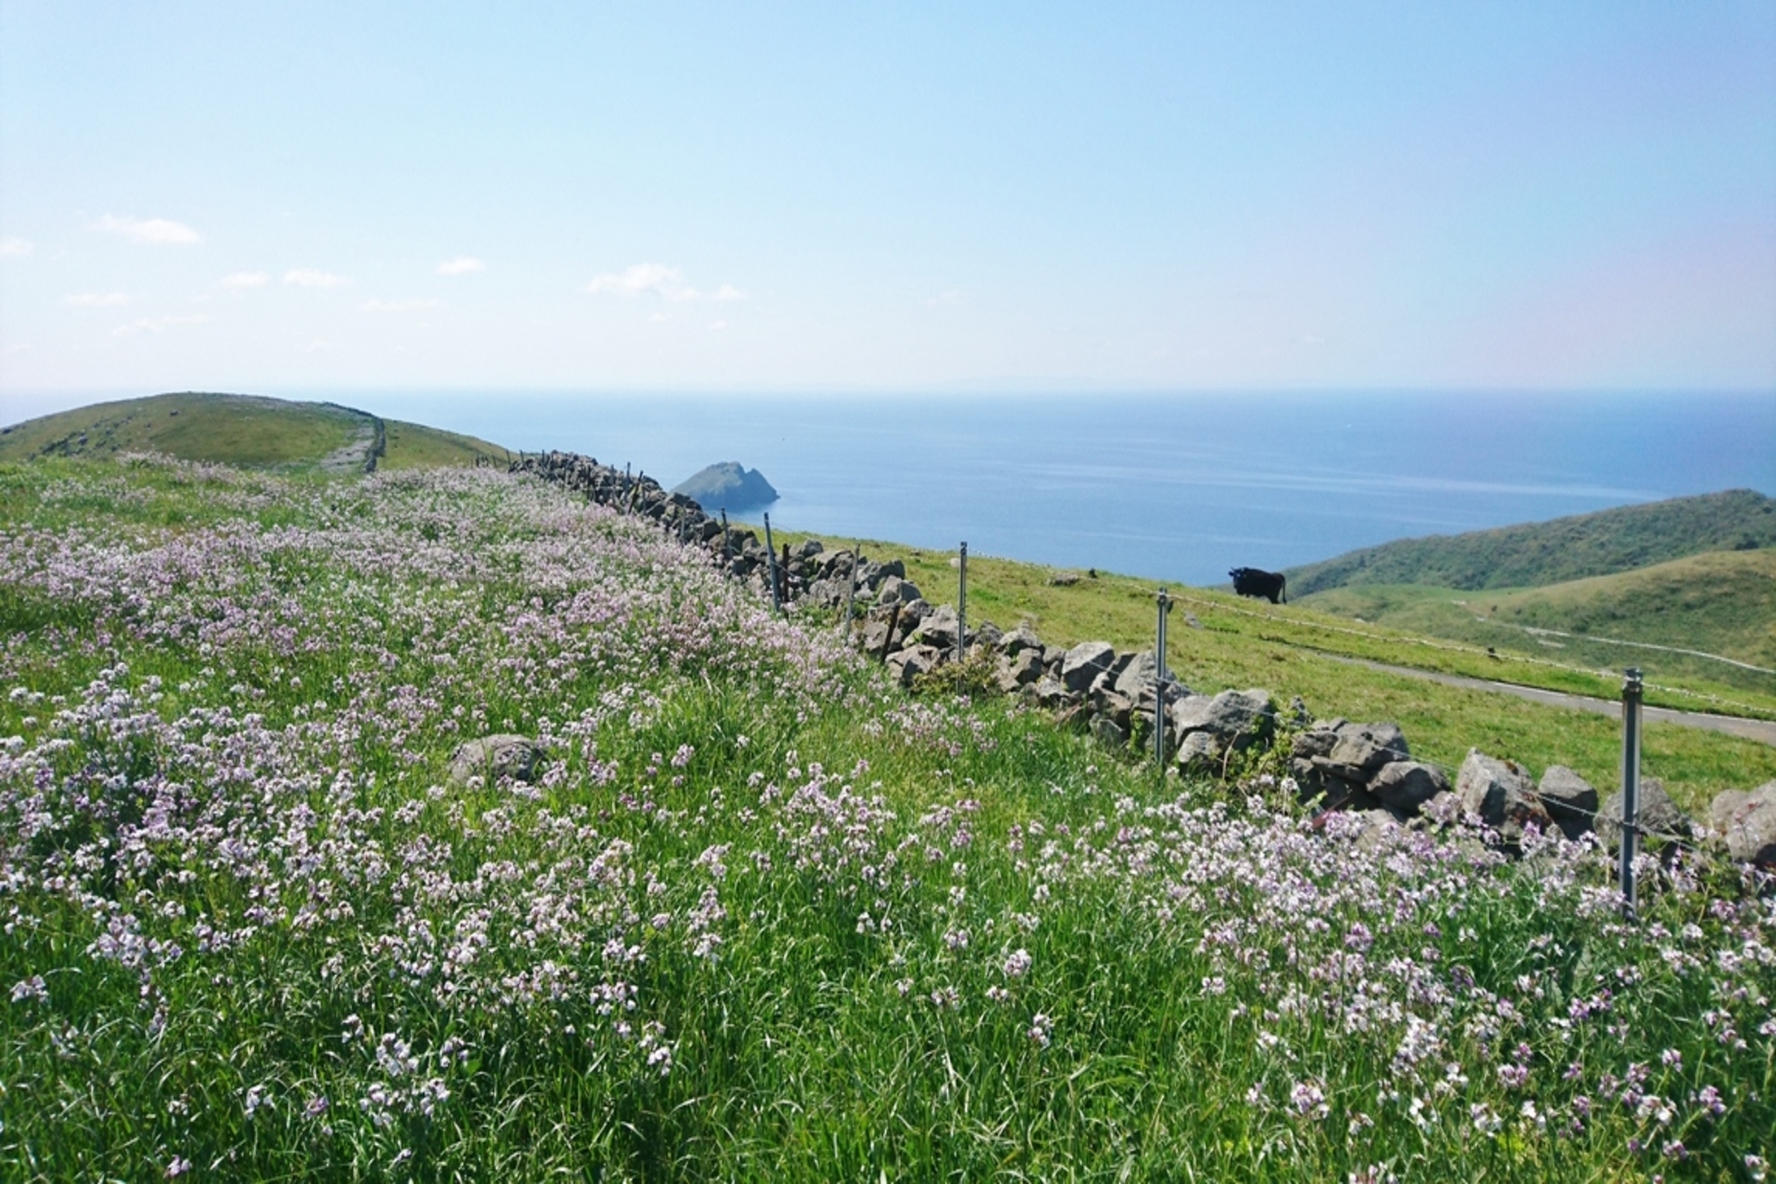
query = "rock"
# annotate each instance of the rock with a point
(1084, 662)
(1063, 579)
(1748, 823)
(1570, 800)
(1656, 813)
(940, 627)
(496, 756)
(1108, 731)
(1237, 718)
(881, 571)
(1502, 794)
(1021, 638)
(1407, 785)
(987, 634)
(1021, 669)
(1202, 753)
(1052, 693)
(1360, 750)
(811, 548)
(728, 485)
(908, 664)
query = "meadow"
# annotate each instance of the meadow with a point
(759, 913)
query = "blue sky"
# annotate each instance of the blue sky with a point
(278, 198)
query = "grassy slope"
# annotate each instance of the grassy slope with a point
(414, 446)
(247, 430)
(1720, 603)
(1538, 553)
(1286, 649)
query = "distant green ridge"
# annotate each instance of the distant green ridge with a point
(1541, 553)
(251, 431)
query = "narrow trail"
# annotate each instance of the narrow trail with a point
(1763, 731)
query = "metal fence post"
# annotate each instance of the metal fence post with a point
(727, 548)
(851, 592)
(962, 605)
(771, 553)
(1631, 689)
(1159, 683)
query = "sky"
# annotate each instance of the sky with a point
(709, 197)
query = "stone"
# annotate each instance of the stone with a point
(1108, 732)
(1237, 718)
(910, 663)
(1021, 669)
(1656, 813)
(987, 634)
(1502, 794)
(1063, 579)
(940, 627)
(881, 571)
(1407, 785)
(1202, 753)
(1084, 662)
(1052, 693)
(1747, 820)
(1570, 800)
(1362, 749)
(496, 756)
(1021, 638)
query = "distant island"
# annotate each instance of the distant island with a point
(728, 485)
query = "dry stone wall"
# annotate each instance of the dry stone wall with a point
(1339, 764)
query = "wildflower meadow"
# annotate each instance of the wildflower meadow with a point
(757, 913)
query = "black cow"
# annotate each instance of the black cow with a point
(1249, 581)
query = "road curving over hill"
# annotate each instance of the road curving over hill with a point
(1763, 731)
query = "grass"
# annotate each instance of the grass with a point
(1291, 651)
(1539, 553)
(1719, 603)
(762, 916)
(244, 430)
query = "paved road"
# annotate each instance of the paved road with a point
(1751, 729)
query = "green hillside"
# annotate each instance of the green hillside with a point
(247, 430)
(1539, 553)
(1721, 603)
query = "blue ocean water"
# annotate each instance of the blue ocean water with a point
(1179, 487)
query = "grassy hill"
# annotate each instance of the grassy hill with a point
(745, 910)
(246, 430)
(1721, 603)
(1540, 553)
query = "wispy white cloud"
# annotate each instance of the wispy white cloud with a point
(245, 279)
(946, 297)
(668, 283)
(397, 305)
(159, 232)
(157, 324)
(314, 277)
(97, 299)
(317, 346)
(13, 247)
(461, 265)
(718, 326)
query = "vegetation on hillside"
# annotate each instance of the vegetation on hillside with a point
(1720, 603)
(1538, 553)
(758, 915)
(247, 430)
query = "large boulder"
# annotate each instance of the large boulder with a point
(1084, 662)
(1406, 785)
(496, 756)
(1570, 800)
(1657, 816)
(1747, 820)
(1360, 750)
(1501, 794)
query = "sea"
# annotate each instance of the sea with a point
(1179, 487)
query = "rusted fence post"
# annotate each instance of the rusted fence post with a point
(1631, 689)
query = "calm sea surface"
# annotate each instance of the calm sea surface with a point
(1174, 487)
